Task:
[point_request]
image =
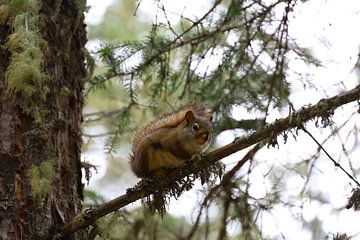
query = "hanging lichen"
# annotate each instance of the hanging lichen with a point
(24, 78)
(24, 75)
(41, 178)
(4, 14)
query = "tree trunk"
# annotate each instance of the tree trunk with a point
(40, 117)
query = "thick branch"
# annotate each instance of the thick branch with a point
(323, 108)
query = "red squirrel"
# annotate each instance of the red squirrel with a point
(170, 140)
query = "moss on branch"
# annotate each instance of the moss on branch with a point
(323, 108)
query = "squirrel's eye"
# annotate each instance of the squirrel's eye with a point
(195, 126)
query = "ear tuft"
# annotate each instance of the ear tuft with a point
(210, 118)
(189, 116)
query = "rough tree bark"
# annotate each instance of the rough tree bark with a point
(40, 177)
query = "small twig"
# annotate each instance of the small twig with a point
(329, 156)
(315, 155)
(167, 19)
(97, 116)
(98, 135)
(26, 22)
(137, 6)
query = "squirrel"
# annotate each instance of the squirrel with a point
(172, 139)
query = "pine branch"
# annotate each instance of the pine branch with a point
(324, 108)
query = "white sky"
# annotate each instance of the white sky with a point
(330, 30)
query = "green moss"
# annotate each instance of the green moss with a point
(64, 91)
(38, 113)
(64, 204)
(4, 14)
(25, 80)
(24, 77)
(81, 8)
(81, 4)
(18, 6)
(21, 38)
(41, 178)
(78, 220)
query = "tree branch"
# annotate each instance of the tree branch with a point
(323, 108)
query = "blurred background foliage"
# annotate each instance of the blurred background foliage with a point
(235, 54)
(119, 23)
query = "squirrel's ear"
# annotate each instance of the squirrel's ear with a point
(189, 116)
(210, 118)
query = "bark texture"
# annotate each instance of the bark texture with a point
(33, 152)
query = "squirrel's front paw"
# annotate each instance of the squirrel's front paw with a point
(161, 172)
(198, 156)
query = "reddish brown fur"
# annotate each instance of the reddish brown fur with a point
(161, 136)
